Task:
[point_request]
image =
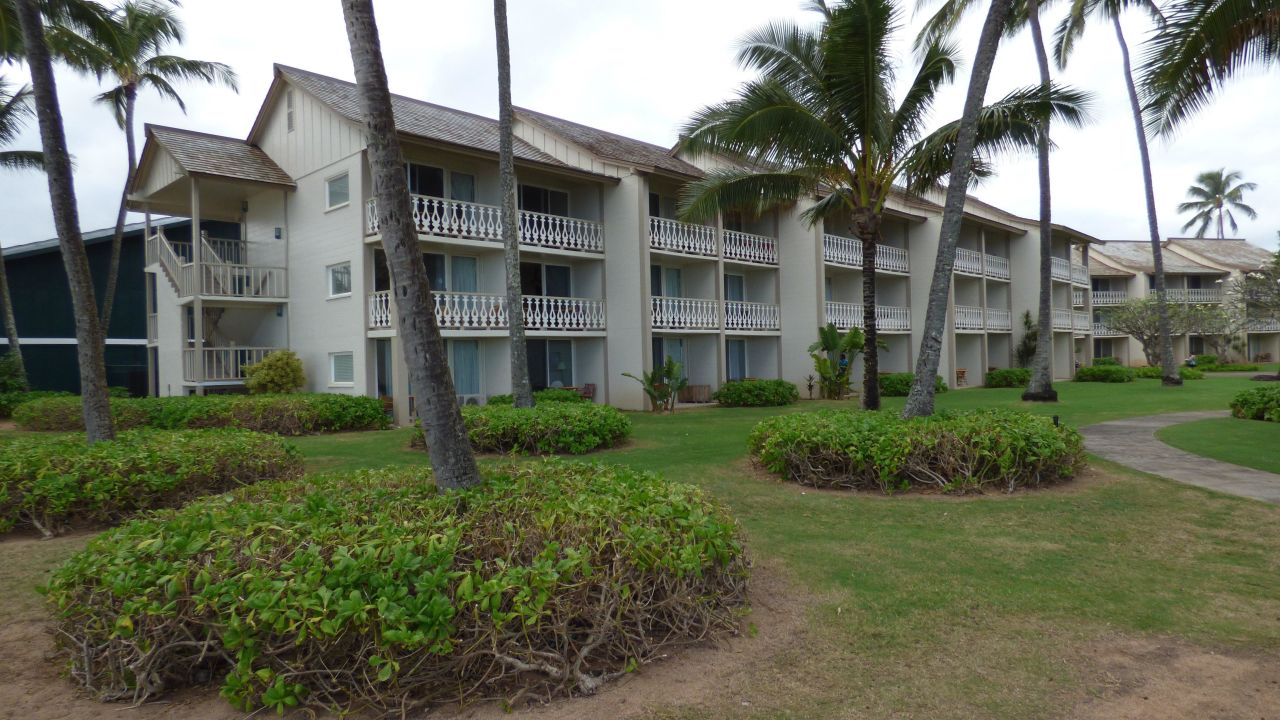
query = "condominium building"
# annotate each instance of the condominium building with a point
(1197, 271)
(613, 282)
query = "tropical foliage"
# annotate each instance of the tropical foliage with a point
(899, 384)
(1007, 378)
(1213, 198)
(833, 356)
(756, 393)
(573, 428)
(279, 372)
(1258, 404)
(1106, 374)
(662, 385)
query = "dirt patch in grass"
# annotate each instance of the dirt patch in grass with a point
(1169, 679)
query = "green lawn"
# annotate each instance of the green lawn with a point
(1252, 443)
(935, 607)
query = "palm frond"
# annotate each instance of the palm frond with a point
(171, 67)
(938, 62)
(1202, 218)
(21, 160)
(741, 189)
(858, 48)
(15, 110)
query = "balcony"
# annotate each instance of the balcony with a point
(217, 276)
(1109, 297)
(751, 316)
(682, 237)
(1259, 325)
(889, 318)
(474, 221)
(1190, 295)
(221, 364)
(999, 320)
(995, 266)
(746, 247)
(840, 250)
(969, 318)
(1064, 270)
(486, 311)
(968, 262)
(1062, 320)
(1077, 297)
(1101, 330)
(677, 313)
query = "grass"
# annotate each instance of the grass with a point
(932, 607)
(1251, 443)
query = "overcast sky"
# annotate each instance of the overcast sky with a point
(640, 69)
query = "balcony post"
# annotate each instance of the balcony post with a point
(197, 309)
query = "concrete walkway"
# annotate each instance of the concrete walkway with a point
(1131, 442)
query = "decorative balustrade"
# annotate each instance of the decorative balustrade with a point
(543, 312)
(968, 261)
(739, 315)
(1102, 330)
(682, 237)
(1077, 298)
(1263, 325)
(677, 313)
(999, 320)
(221, 364)
(969, 318)
(841, 250)
(750, 248)
(486, 311)
(381, 314)
(470, 311)
(888, 317)
(1190, 295)
(474, 221)
(1081, 322)
(1060, 269)
(1062, 320)
(1109, 297)
(996, 266)
(1079, 274)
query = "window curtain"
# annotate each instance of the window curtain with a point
(465, 364)
(736, 359)
(463, 274)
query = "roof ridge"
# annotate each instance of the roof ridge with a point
(395, 96)
(628, 138)
(185, 131)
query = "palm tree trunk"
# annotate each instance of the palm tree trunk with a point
(1040, 389)
(1169, 370)
(868, 231)
(452, 462)
(11, 326)
(117, 240)
(1221, 233)
(920, 400)
(62, 199)
(521, 389)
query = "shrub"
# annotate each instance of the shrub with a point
(297, 414)
(756, 393)
(1206, 359)
(952, 452)
(1008, 378)
(1105, 361)
(51, 483)
(1105, 374)
(1261, 403)
(553, 427)
(1229, 367)
(279, 372)
(11, 381)
(119, 392)
(541, 396)
(372, 591)
(1152, 372)
(899, 384)
(11, 400)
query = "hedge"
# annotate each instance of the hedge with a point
(293, 414)
(1228, 367)
(1105, 361)
(1008, 378)
(1151, 372)
(1262, 403)
(756, 393)
(53, 483)
(1105, 374)
(541, 396)
(899, 384)
(372, 592)
(553, 427)
(960, 452)
(11, 400)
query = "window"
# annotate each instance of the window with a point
(462, 186)
(549, 280)
(1195, 345)
(655, 205)
(339, 280)
(337, 191)
(735, 287)
(342, 368)
(436, 273)
(288, 110)
(559, 363)
(542, 200)
(425, 180)
(464, 361)
(736, 359)
(462, 274)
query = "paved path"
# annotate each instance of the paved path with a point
(1131, 442)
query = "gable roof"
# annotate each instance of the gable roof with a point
(1136, 255)
(91, 237)
(611, 146)
(1234, 254)
(217, 155)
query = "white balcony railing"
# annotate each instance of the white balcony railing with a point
(968, 261)
(750, 248)
(1079, 274)
(1101, 330)
(682, 237)
(487, 311)
(841, 250)
(1081, 322)
(218, 277)
(1062, 320)
(543, 312)
(474, 221)
(1263, 325)
(1190, 295)
(1077, 297)
(1109, 297)
(1060, 269)
(221, 364)
(996, 266)
(999, 320)
(244, 281)
(888, 317)
(969, 318)
(739, 315)
(677, 313)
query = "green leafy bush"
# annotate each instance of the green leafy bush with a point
(756, 393)
(553, 427)
(373, 592)
(899, 384)
(279, 372)
(541, 396)
(1228, 367)
(960, 452)
(1105, 374)
(1262, 403)
(11, 381)
(297, 414)
(51, 483)
(1150, 372)
(1008, 378)
(1206, 359)
(1105, 361)
(11, 400)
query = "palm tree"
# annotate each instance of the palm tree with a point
(1201, 45)
(62, 198)
(130, 50)
(1214, 195)
(821, 118)
(15, 108)
(521, 390)
(452, 463)
(1070, 30)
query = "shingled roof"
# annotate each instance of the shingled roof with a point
(1136, 255)
(611, 146)
(219, 156)
(1235, 254)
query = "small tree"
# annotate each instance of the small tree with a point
(833, 355)
(663, 385)
(1140, 319)
(1025, 352)
(1220, 324)
(1259, 290)
(278, 372)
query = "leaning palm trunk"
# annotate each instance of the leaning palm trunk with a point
(521, 390)
(447, 446)
(1040, 388)
(62, 199)
(117, 239)
(920, 400)
(1168, 367)
(11, 326)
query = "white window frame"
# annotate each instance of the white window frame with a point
(328, 280)
(333, 381)
(328, 200)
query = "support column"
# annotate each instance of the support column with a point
(197, 305)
